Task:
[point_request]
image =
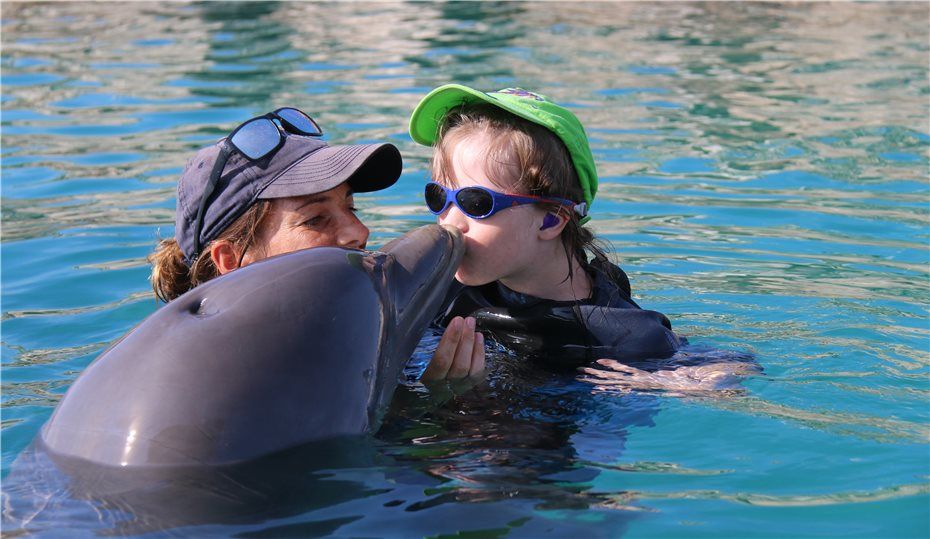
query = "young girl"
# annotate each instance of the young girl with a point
(513, 171)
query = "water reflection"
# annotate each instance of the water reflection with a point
(127, 501)
(514, 438)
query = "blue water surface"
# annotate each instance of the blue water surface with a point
(763, 180)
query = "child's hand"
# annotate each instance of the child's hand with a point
(719, 378)
(460, 353)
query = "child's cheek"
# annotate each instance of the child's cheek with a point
(473, 269)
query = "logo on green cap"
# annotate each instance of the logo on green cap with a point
(520, 92)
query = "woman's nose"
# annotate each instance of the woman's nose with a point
(352, 234)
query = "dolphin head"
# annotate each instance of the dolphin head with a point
(297, 348)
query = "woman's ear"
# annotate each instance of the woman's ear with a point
(225, 256)
(552, 226)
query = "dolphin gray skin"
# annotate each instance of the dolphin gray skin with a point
(298, 348)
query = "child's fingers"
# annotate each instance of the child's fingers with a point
(617, 366)
(477, 356)
(445, 352)
(595, 372)
(607, 382)
(600, 385)
(461, 364)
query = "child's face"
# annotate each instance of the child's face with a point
(502, 247)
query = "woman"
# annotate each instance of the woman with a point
(271, 187)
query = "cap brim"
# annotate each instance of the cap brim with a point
(367, 167)
(429, 114)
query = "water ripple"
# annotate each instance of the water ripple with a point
(787, 500)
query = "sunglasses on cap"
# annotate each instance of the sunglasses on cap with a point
(480, 202)
(255, 139)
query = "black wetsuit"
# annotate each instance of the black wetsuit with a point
(609, 324)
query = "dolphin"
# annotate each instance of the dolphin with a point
(299, 348)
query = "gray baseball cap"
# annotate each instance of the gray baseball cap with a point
(301, 166)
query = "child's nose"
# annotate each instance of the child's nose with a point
(454, 216)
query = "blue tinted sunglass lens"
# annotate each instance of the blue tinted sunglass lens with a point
(255, 139)
(299, 122)
(435, 197)
(475, 202)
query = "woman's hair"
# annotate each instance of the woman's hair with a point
(532, 158)
(171, 277)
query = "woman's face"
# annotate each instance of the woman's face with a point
(325, 219)
(502, 247)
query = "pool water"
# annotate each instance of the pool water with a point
(764, 182)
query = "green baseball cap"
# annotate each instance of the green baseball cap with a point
(431, 112)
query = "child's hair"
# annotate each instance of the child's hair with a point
(171, 277)
(533, 158)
